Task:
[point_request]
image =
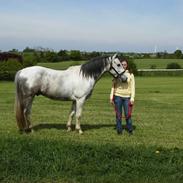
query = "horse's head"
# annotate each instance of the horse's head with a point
(116, 68)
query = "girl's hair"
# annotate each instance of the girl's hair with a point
(128, 67)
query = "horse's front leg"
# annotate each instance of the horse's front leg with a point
(71, 115)
(79, 106)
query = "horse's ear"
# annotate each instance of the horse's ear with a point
(115, 56)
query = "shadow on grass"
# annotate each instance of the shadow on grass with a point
(85, 127)
(63, 126)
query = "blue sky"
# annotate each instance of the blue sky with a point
(97, 25)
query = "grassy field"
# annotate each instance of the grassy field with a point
(153, 154)
(157, 63)
(61, 65)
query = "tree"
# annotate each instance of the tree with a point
(51, 56)
(75, 55)
(27, 49)
(13, 51)
(63, 55)
(178, 54)
(95, 54)
(158, 55)
(165, 54)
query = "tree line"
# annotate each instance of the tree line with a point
(48, 55)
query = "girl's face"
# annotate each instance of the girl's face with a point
(124, 64)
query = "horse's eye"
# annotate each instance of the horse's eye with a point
(118, 65)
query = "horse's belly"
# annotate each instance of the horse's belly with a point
(57, 93)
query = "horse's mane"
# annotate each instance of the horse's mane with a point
(94, 67)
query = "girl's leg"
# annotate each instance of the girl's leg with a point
(127, 110)
(118, 110)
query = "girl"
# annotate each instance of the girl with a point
(122, 96)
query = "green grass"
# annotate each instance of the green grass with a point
(158, 63)
(51, 154)
(61, 65)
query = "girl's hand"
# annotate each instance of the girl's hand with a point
(111, 101)
(131, 102)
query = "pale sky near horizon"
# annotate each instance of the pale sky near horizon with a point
(97, 25)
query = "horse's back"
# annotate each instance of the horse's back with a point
(30, 77)
(30, 71)
(49, 82)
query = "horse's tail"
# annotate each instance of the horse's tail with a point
(19, 107)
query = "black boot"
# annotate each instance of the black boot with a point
(119, 132)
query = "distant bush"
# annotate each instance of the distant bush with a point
(9, 68)
(29, 59)
(161, 73)
(173, 66)
(10, 65)
(132, 66)
(29, 62)
(7, 75)
(153, 66)
(75, 55)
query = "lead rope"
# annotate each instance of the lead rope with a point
(130, 106)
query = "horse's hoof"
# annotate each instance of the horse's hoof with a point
(20, 131)
(69, 129)
(80, 132)
(28, 130)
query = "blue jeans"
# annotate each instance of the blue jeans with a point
(124, 103)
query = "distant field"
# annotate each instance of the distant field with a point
(141, 63)
(154, 154)
(158, 63)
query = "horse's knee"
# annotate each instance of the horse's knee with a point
(78, 117)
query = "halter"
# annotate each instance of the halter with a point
(111, 67)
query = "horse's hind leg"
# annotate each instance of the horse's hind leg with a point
(71, 115)
(27, 111)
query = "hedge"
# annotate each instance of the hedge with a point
(7, 75)
(9, 68)
(160, 72)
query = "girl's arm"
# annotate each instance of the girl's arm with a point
(112, 92)
(132, 98)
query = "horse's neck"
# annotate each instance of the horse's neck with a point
(100, 75)
(102, 72)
